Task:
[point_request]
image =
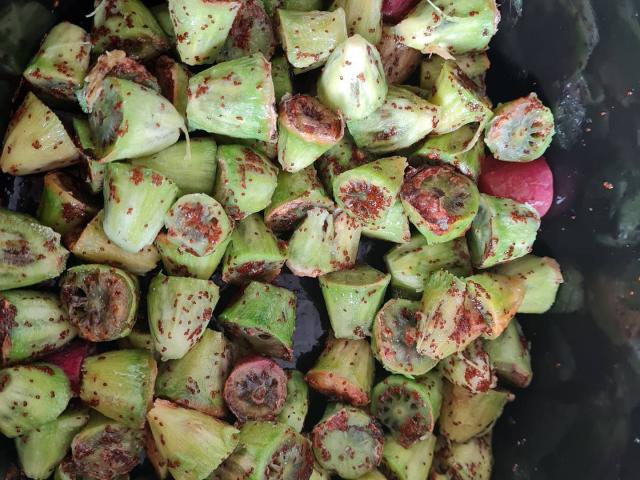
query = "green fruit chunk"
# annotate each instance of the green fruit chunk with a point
(352, 298)
(403, 119)
(254, 253)
(119, 385)
(265, 316)
(311, 245)
(353, 79)
(29, 252)
(234, 98)
(281, 76)
(296, 405)
(173, 78)
(394, 339)
(178, 262)
(163, 17)
(127, 25)
(295, 194)
(503, 230)
(251, 32)
(34, 323)
(471, 368)
(41, 450)
(343, 156)
(411, 264)
(347, 442)
(59, 66)
(398, 60)
(193, 443)
(137, 339)
(363, 17)
(475, 65)
(344, 371)
(542, 278)
(31, 396)
(471, 460)
(346, 240)
(92, 245)
(521, 130)
(179, 310)
(510, 356)
(408, 408)
(394, 227)
(105, 449)
(101, 301)
(411, 463)
(36, 141)
(466, 415)
(440, 202)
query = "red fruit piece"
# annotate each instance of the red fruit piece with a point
(530, 182)
(70, 359)
(395, 10)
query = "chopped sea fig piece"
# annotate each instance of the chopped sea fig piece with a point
(408, 408)
(403, 119)
(59, 66)
(510, 355)
(163, 17)
(70, 360)
(311, 245)
(412, 463)
(265, 316)
(474, 65)
(173, 78)
(440, 202)
(394, 339)
(363, 17)
(353, 79)
(346, 240)
(33, 323)
(29, 252)
(101, 301)
(295, 194)
(179, 310)
(251, 32)
(344, 371)
(471, 460)
(503, 230)
(410, 264)
(296, 405)
(254, 253)
(343, 156)
(41, 450)
(347, 442)
(105, 449)
(352, 298)
(521, 130)
(281, 76)
(471, 368)
(256, 389)
(398, 60)
(127, 25)
(394, 227)
(138, 339)
(36, 141)
(178, 262)
(234, 98)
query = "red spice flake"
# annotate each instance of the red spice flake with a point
(156, 179)
(36, 144)
(181, 37)
(137, 176)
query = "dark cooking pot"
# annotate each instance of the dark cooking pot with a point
(580, 419)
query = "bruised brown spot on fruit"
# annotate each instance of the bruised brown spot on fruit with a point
(364, 199)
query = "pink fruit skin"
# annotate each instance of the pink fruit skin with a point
(70, 359)
(395, 10)
(530, 182)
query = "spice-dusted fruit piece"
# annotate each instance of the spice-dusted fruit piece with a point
(265, 316)
(440, 202)
(343, 156)
(344, 371)
(471, 368)
(398, 60)
(412, 463)
(59, 66)
(101, 301)
(306, 129)
(346, 240)
(251, 32)
(296, 405)
(510, 356)
(475, 65)
(36, 141)
(70, 360)
(394, 339)
(179, 309)
(352, 298)
(521, 130)
(394, 227)
(363, 17)
(234, 98)
(353, 79)
(178, 262)
(311, 245)
(173, 78)
(34, 323)
(281, 76)
(471, 460)
(409, 408)
(347, 442)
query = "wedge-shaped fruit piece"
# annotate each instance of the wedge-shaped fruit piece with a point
(542, 278)
(409, 408)
(296, 405)
(59, 66)
(137, 339)
(344, 371)
(34, 323)
(346, 240)
(311, 245)
(163, 17)
(41, 450)
(394, 227)
(173, 78)
(36, 141)
(394, 339)
(503, 230)
(471, 368)
(412, 463)
(471, 460)
(510, 357)
(353, 79)
(295, 194)
(100, 301)
(178, 262)
(254, 253)
(234, 98)
(245, 180)
(343, 156)
(135, 202)
(179, 309)
(105, 449)
(265, 316)
(363, 17)
(281, 76)
(475, 65)
(410, 264)
(466, 415)
(398, 60)
(119, 384)
(352, 298)
(347, 442)
(251, 32)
